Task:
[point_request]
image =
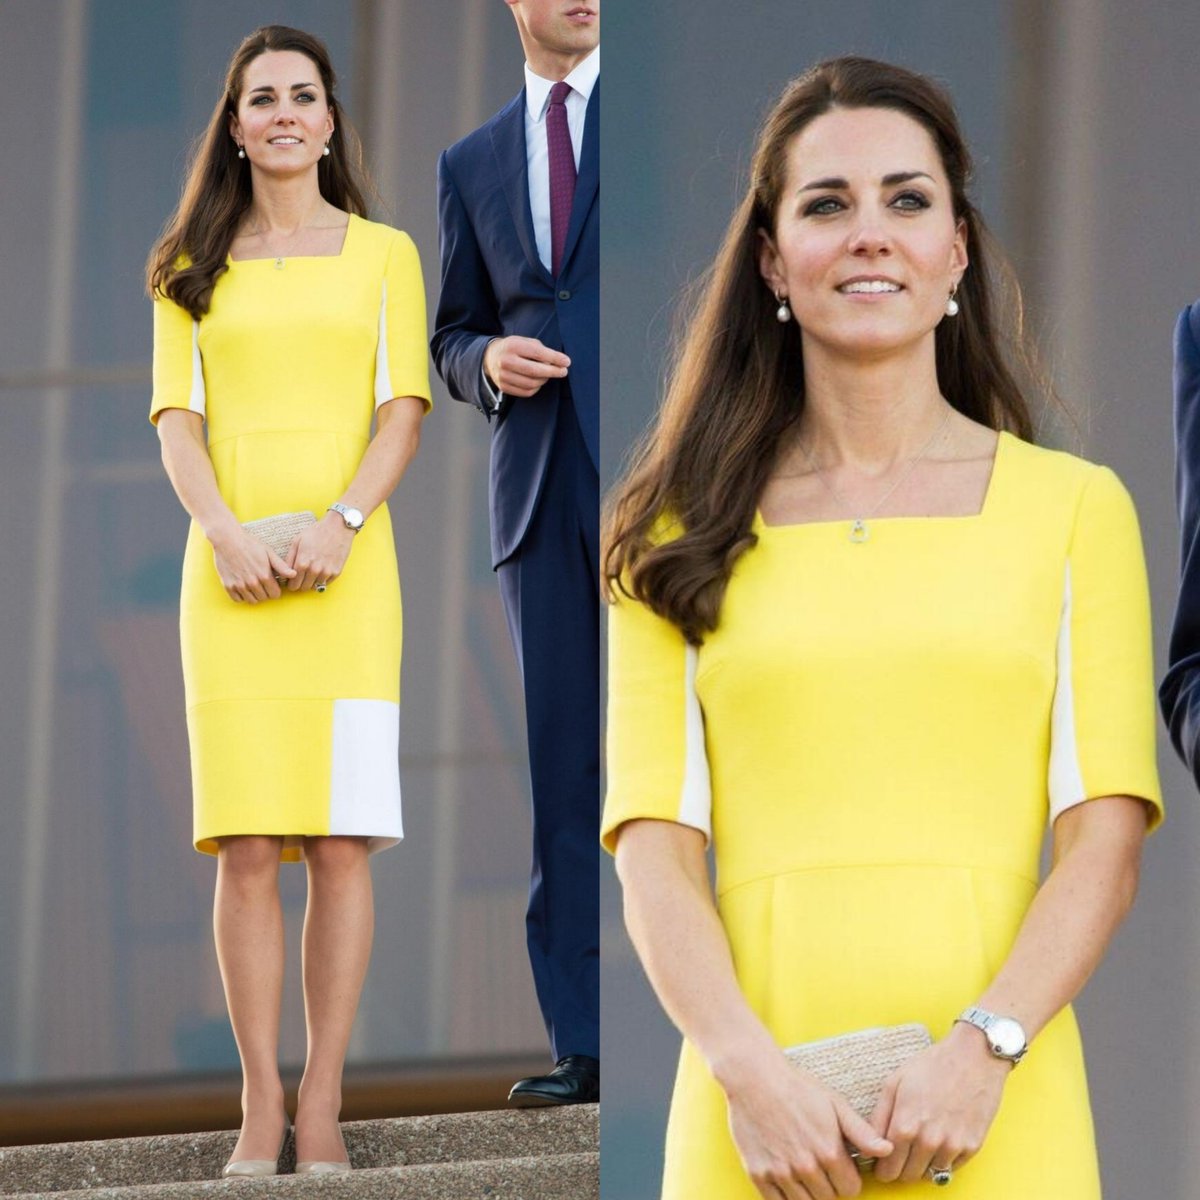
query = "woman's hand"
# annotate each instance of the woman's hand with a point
(248, 568)
(792, 1132)
(938, 1107)
(319, 553)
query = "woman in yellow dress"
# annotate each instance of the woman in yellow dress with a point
(287, 322)
(871, 641)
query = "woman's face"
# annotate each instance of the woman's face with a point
(866, 246)
(283, 119)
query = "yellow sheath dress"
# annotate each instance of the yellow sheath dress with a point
(875, 738)
(293, 705)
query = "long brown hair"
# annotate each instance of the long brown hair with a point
(217, 191)
(737, 382)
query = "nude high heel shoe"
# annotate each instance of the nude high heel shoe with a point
(317, 1167)
(251, 1168)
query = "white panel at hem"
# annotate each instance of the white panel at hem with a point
(383, 373)
(1066, 773)
(364, 792)
(695, 801)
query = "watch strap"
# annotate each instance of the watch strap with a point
(979, 1017)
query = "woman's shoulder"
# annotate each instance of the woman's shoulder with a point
(1049, 475)
(379, 234)
(1062, 467)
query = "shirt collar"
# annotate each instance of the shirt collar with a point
(582, 80)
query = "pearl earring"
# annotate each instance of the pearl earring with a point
(325, 152)
(951, 303)
(783, 314)
(241, 151)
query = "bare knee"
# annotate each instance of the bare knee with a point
(249, 858)
(335, 857)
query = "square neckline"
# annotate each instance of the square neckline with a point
(290, 258)
(1002, 435)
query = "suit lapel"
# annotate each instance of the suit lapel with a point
(508, 144)
(587, 184)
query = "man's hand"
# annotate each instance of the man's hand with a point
(518, 366)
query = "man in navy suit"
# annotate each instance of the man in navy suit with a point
(518, 332)
(1180, 691)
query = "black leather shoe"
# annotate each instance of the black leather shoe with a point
(574, 1080)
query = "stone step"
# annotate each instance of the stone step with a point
(508, 1143)
(544, 1177)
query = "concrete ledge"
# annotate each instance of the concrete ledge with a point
(86, 1110)
(99, 1167)
(550, 1177)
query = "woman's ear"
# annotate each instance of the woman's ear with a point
(958, 254)
(769, 265)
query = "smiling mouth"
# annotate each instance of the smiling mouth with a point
(869, 287)
(284, 141)
(581, 13)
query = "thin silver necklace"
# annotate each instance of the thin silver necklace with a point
(858, 526)
(280, 259)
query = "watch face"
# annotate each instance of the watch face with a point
(1007, 1037)
(354, 518)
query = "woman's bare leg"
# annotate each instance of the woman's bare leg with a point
(338, 928)
(248, 925)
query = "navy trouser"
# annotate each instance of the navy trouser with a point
(550, 588)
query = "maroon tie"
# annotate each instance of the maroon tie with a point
(562, 172)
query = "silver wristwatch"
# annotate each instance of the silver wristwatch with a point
(1005, 1037)
(352, 516)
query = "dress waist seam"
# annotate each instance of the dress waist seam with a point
(249, 433)
(923, 864)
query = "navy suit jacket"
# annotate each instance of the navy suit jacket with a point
(494, 284)
(1180, 691)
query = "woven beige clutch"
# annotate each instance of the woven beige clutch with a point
(279, 531)
(858, 1064)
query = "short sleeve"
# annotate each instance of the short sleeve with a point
(178, 375)
(657, 764)
(1103, 720)
(401, 361)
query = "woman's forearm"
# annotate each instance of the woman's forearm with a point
(1075, 913)
(673, 922)
(387, 457)
(789, 1129)
(190, 470)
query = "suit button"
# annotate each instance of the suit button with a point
(564, 294)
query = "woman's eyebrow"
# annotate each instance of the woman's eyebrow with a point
(267, 87)
(834, 183)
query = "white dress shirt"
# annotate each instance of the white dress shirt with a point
(537, 152)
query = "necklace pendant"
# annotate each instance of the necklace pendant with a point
(279, 264)
(859, 531)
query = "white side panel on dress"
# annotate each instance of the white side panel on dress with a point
(198, 400)
(383, 373)
(695, 801)
(364, 796)
(1066, 774)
